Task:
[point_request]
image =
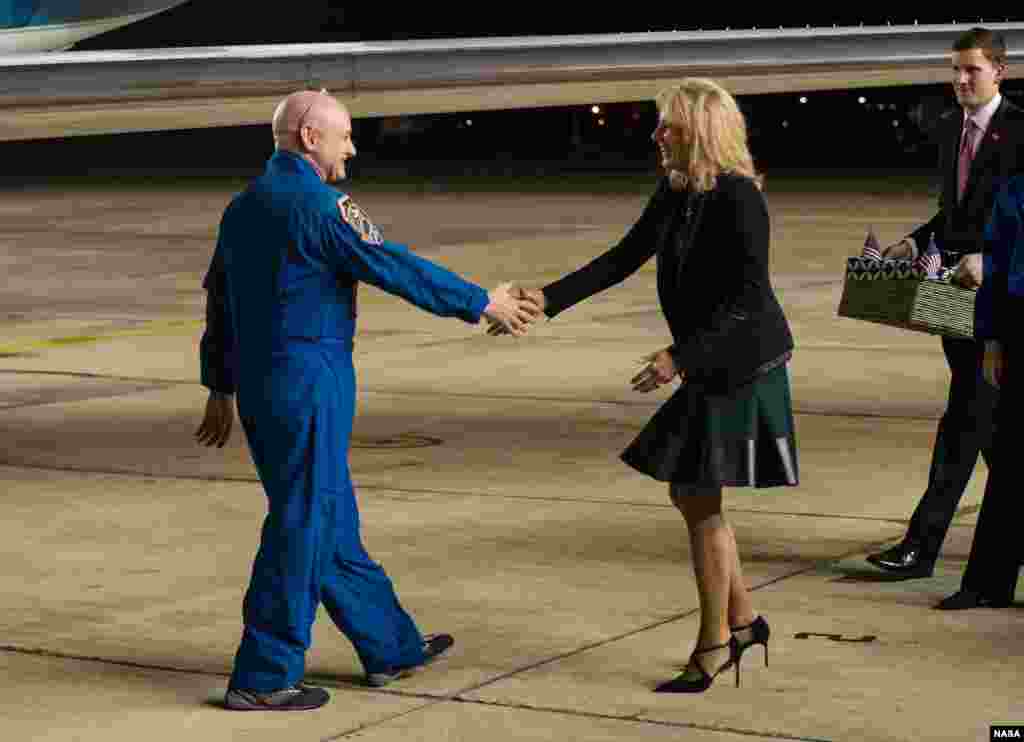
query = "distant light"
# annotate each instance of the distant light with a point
(469, 122)
(895, 123)
(803, 98)
(600, 122)
(595, 109)
(785, 124)
(862, 100)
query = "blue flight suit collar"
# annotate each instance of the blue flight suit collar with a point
(290, 162)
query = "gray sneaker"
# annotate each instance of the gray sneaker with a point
(434, 645)
(299, 697)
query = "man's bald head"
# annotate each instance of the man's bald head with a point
(317, 126)
(304, 108)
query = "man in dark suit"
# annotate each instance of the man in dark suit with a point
(978, 147)
(996, 554)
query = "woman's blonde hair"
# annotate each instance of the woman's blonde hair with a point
(714, 134)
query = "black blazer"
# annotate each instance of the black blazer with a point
(713, 279)
(959, 227)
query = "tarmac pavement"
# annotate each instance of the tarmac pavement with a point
(490, 489)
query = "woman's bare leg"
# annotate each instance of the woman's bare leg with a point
(713, 551)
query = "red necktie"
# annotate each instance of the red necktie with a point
(966, 156)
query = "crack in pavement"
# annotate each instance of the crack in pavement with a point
(431, 698)
(635, 719)
(54, 654)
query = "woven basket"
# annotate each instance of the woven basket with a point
(892, 293)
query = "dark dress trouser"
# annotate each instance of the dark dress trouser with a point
(997, 550)
(964, 430)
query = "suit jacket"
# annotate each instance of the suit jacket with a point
(713, 279)
(959, 226)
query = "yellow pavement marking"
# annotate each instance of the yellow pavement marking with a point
(151, 328)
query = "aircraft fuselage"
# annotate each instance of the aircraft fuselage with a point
(28, 26)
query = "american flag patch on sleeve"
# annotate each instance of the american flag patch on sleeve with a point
(356, 218)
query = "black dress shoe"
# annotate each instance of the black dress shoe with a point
(905, 561)
(760, 632)
(970, 599)
(702, 680)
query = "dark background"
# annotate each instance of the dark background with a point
(833, 130)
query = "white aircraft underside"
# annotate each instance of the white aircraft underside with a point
(28, 26)
(64, 94)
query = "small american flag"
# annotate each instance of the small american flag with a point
(930, 261)
(872, 250)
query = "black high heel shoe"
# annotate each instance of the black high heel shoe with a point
(759, 631)
(684, 684)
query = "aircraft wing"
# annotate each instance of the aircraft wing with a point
(73, 93)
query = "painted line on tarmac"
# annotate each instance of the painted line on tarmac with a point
(468, 395)
(967, 509)
(160, 238)
(148, 328)
(71, 396)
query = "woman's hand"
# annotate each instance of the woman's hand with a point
(661, 369)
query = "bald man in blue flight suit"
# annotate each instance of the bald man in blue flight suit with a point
(280, 320)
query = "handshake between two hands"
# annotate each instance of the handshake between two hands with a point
(512, 309)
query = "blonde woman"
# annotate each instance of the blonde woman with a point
(730, 423)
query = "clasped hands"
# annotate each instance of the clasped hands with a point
(660, 367)
(512, 309)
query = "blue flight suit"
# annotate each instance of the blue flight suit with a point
(280, 322)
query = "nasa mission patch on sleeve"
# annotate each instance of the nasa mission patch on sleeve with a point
(356, 218)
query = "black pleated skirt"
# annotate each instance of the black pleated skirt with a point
(742, 437)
